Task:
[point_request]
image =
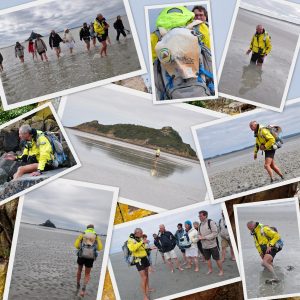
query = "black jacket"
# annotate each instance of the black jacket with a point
(118, 25)
(55, 40)
(167, 241)
(84, 33)
(1, 58)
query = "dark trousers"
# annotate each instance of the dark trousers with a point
(120, 31)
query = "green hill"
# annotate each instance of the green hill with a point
(166, 138)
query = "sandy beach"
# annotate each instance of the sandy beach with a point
(240, 80)
(70, 71)
(45, 265)
(237, 172)
(284, 218)
(163, 281)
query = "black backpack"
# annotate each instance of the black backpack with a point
(209, 226)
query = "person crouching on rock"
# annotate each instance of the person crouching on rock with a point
(37, 154)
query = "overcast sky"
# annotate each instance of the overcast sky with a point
(151, 224)
(113, 107)
(56, 15)
(236, 134)
(68, 206)
(280, 9)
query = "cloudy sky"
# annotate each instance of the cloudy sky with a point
(280, 9)
(56, 15)
(68, 206)
(235, 134)
(151, 225)
(113, 107)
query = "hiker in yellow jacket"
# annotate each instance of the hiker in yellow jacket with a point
(37, 154)
(137, 247)
(267, 242)
(260, 46)
(101, 30)
(265, 142)
(87, 244)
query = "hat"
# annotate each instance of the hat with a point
(189, 223)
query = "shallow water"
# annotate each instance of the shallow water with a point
(264, 86)
(285, 220)
(36, 78)
(168, 183)
(45, 265)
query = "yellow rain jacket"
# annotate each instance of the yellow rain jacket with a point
(41, 149)
(99, 27)
(264, 137)
(79, 239)
(264, 235)
(137, 249)
(261, 41)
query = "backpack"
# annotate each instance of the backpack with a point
(279, 243)
(184, 241)
(88, 251)
(189, 82)
(209, 226)
(129, 258)
(57, 149)
(276, 131)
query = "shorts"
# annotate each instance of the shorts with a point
(142, 264)
(273, 252)
(191, 252)
(70, 45)
(42, 52)
(225, 243)
(102, 38)
(182, 250)
(257, 58)
(213, 252)
(88, 263)
(170, 254)
(270, 153)
(87, 40)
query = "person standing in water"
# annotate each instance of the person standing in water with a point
(41, 48)
(265, 141)
(32, 49)
(19, 51)
(87, 245)
(69, 40)
(1, 63)
(93, 34)
(118, 25)
(54, 42)
(85, 35)
(100, 27)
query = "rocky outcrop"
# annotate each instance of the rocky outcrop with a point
(166, 138)
(48, 223)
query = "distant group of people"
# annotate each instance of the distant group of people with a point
(194, 240)
(95, 30)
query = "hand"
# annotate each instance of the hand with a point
(248, 52)
(262, 256)
(201, 237)
(262, 147)
(268, 249)
(10, 156)
(255, 156)
(36, 173)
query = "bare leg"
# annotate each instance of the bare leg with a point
(87, 276)
(184, 258)
(25, 170)
(268, 162)
(196, 263)
(268, 263)
(103, 49)
(170, 264)
(232, 254)
(189, 263)
(275, 168)
(223, 254)
(209, 265)
(178, 264)
(219, 263)
(46, 57)
(79, 270)
(144, 283)
(94, 42)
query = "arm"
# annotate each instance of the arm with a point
(44, 45)
(45, 152)
(78, 241)
(99, 244)
(134, 246)
(50, 42)
(80, 34)
(194, 238)
(269, 138)
(258, 247)
(268, 45)
(273, 235)
(214, 232)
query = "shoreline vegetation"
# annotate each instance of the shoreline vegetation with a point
(166, 138)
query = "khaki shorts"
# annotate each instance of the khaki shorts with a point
(170, 254)
(225, 243)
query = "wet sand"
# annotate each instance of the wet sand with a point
(45, 266)
(163, 281)
(237, 172)
(36, 78)
(240, 80)
(169, 182)
(284, 218)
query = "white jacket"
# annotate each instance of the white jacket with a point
(193, 236)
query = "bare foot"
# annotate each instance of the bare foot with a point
(221, 273)
(180, 269)
(151, 290)
(209, 272)
(233, 259)
(197, 270)
(172, 271)
(146, 298)
(188, 267)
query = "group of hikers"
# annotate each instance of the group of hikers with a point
(193, 240)
(97, 30)
(88, 244)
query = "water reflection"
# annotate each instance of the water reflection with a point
(251, 78)
(156, 167)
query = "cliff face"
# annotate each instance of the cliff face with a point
(166, 138)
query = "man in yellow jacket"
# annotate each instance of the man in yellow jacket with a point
(101, 30)
(260, 46)
(137, 248)
(265, 141)
(267, 242)
(37, 155)
(87, 244)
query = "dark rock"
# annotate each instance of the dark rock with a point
(11, 141)
(48, 223)
(38, 125)
(70, 158)
(51, 125)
